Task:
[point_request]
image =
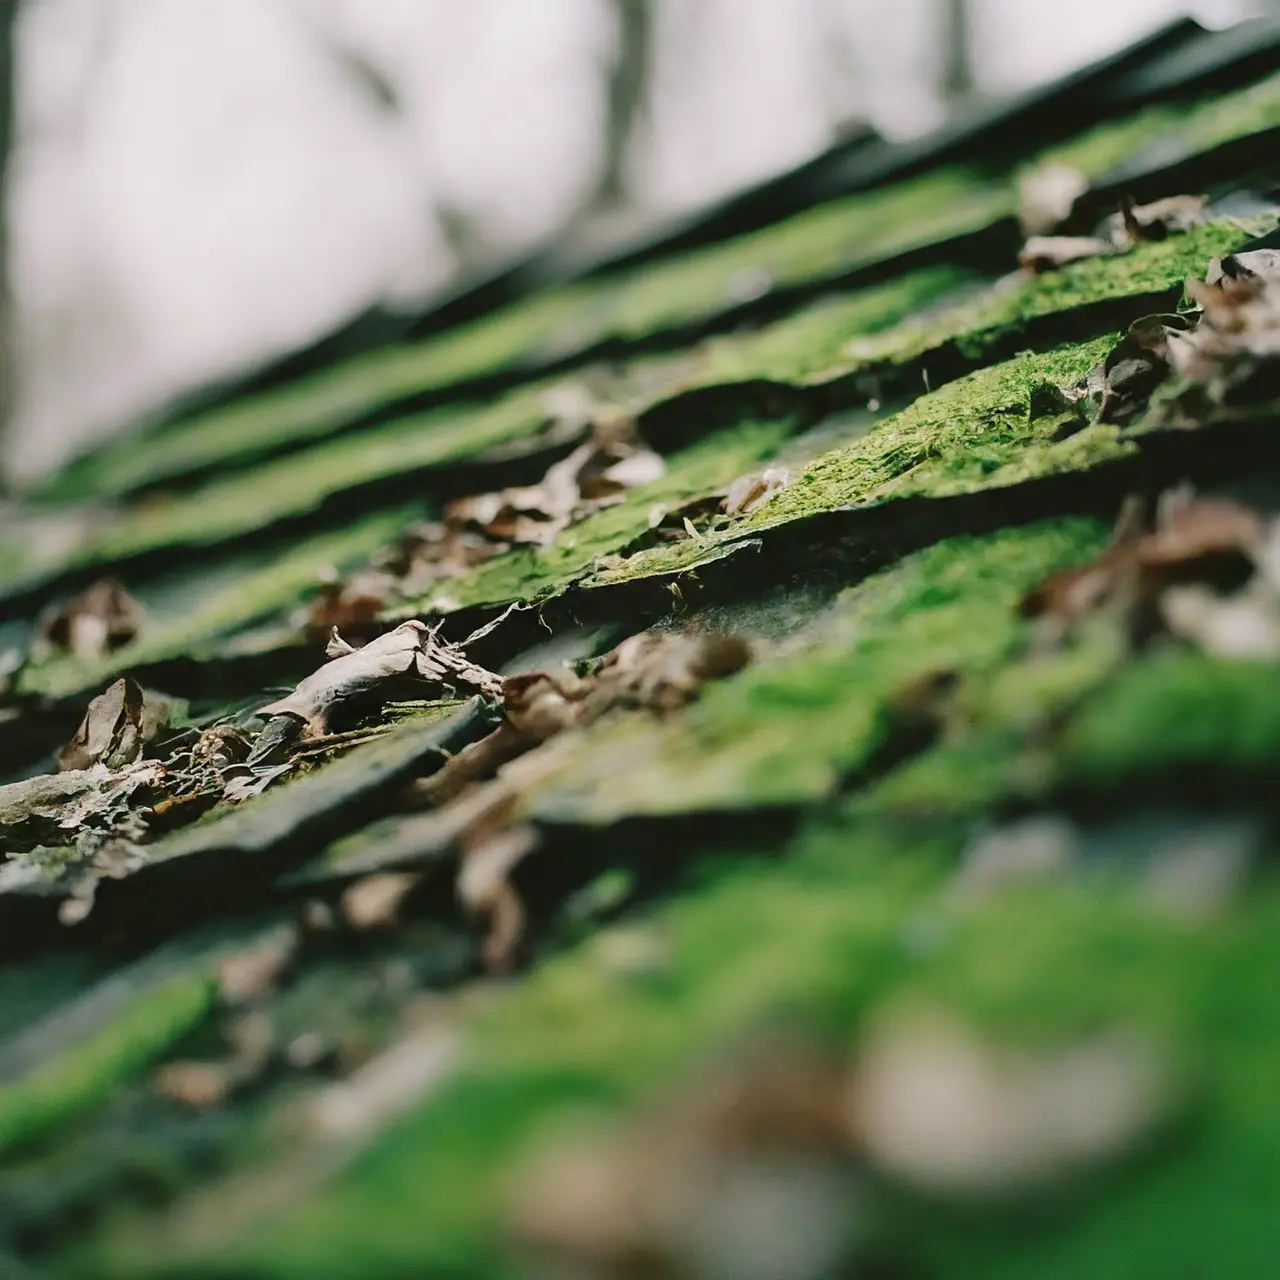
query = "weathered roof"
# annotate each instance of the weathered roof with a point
(256, 1036)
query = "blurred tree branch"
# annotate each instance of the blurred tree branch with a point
(957, 51)
(628, 81)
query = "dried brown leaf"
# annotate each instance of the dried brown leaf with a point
(248, 975)
(198, 1085)
(1137, 365)
(945, 1111)
(749, 493)
(1047, 253)
(489, 855)
(1212, 542)
(361, 676)
(1252, 264)
(100, 620)
(1158, 220)
(116, 728)
(594, 474)
(743, 1169)
(350, 604)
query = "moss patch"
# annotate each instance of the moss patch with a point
(85, 1077)
(293, 486)
(787, 730)
(1169, 131)
(977, 326)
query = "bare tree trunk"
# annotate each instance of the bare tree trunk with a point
(628, 79)
(957, 65)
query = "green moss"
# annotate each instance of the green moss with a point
(36, 1106)
(1193, 127)
(976, 327)
(788, 729)
(293, 486)
(686, 289)
(850, 921)
(813, 340)
(1234, 115)
(1109, 144)
(1178, 714)
(975, 433)
(751, 942)
(961, 437)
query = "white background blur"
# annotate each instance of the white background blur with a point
(199, 184)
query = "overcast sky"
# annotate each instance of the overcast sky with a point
(200, 185)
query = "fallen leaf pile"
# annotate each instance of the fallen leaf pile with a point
(596, 474)
(1206, 572)
(1191, 368)
(1232, 356)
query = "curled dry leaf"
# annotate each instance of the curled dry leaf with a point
(252, 1044)
(1233, 354)
(952, 1114)
(656, 672)
(1211, 542)
(1046, 195)
(489, 855)
(360, 677)
(1137, 365)
(198, 1085)
(221, 745)
(1158, 220)
(595, 474)
(350, 604)
(1244, 625)
(1047, 253)
(103, 618)
(476, 528)
(116, 728)
(749, 493)
(663, 672)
